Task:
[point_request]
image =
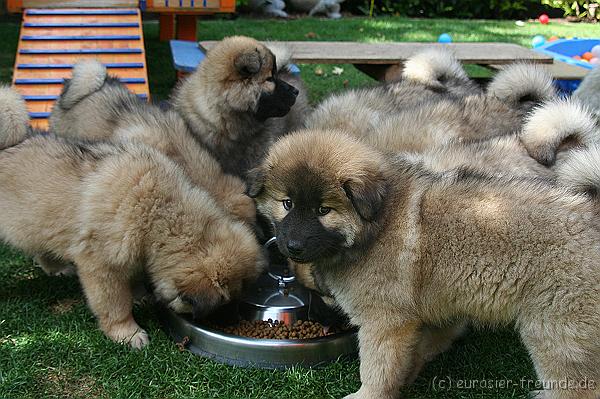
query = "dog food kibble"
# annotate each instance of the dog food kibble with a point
(273, 329)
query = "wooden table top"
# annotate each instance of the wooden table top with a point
(305, 52)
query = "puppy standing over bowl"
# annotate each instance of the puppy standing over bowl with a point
(94, 106)
(240, 100)
(116, 211)
(400, 247)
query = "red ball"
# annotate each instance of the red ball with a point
(544, 19)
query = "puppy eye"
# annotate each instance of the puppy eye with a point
(323, 210)
(287, 204)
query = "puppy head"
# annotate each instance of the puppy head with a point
(199, 275)
(323, 192)
(245, 72)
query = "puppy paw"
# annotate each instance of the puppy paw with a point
(364, 393)
(139, 339)
(538, 395)
(130, 334)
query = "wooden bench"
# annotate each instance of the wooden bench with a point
(383, 61)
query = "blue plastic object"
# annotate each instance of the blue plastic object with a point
(123, 65)
(55, 97)
(80, 12)
(81, 25)
(187, 56)
(564, 49)
(61, 81)
(82, 51)
(537, 41)
(445, 38)
(72, 38)
(39, 115)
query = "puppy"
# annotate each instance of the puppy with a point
(435, 102)
(97, 107)
(116, 211)
(400, 248)
(240, 100)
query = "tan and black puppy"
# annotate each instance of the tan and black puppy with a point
(435, 103)
(97, 107)
(240, 100)
(401, 249)
(118, 211)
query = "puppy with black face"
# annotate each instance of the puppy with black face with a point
(240, 100)
(409, 255)
(317, 214)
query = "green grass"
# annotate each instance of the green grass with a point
(50, 346)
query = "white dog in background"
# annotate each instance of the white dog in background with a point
(275, 8)
(331, 8)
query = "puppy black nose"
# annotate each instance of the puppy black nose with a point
(295, 91)
(294, 247)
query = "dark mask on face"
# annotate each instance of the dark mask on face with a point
(278, 103)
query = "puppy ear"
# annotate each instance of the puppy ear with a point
(248, 64)
(256, 181)
(367, 195)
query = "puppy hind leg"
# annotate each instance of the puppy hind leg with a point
(386, 359)
(567, 363)
(109, 296)
(433, 342)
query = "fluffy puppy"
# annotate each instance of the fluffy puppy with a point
(400, 248)
(117, 211)
(434, 103)
(240, 100)
(94, 106)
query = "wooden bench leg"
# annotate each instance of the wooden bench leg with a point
(381, 72)
(186, 27)
(166, 27)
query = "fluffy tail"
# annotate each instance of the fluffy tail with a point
(549, 126)
(522, 84)
(14, 119)
(434, 67)
(88, 77)
(283, 54)
(580, 172)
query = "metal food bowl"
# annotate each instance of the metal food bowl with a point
(276, 296)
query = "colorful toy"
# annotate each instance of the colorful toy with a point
(544, 19)
(537, 41)
(587, 56)
(552, 38)
(444, 38)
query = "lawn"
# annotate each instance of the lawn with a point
(50, 346)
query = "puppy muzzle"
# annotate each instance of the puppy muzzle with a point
(278, 103)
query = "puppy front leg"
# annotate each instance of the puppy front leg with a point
(386, 359)
(110, 298)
